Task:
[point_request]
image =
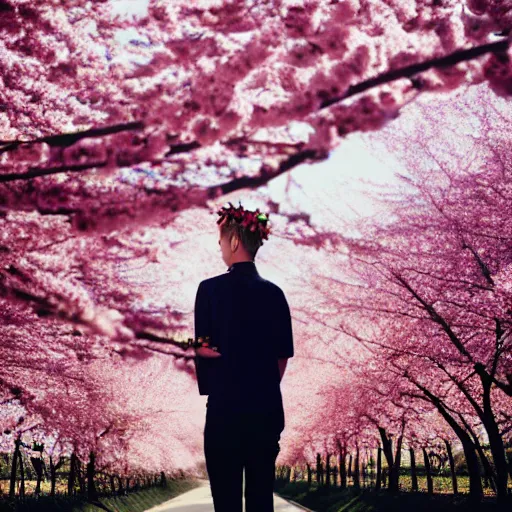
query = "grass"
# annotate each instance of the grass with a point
(334, 499)
(137, 501)
(442, 484)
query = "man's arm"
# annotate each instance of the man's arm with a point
(204, 359)
(284, 334)
(282, 367)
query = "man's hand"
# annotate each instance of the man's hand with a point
(207, 352)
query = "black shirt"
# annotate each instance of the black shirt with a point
(248, 319)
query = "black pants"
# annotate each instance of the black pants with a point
(232, 442)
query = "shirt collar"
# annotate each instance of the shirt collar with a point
(243, 266)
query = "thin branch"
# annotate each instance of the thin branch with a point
(67, 139)
(413, 69)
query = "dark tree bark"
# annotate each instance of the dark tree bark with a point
(379, 469)
(414, 475)
(53, 477)
(475, 482)
(343, 469)
(357, 483)
(328, 471)
(80, 473)
(112, 479)
(92, 494)
(495, 441)
(430, 484)
(387, 446)
(452, 466)
(72, 474)
(22, 475)
(398, 460)
(12, 484)
(53, 473)
(37, 464)
(120, 485)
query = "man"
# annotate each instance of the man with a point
(248, 321)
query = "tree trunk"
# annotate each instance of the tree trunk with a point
(430, 485)
(72, 474)
(414, 475)
(309, 474)
(452, 466)
(80, 476)
(387, 446)
(53, 477)
(318, 469)
(498, 454)
(112, 484)
(350, 466)
(328, 471)
(493, 432)
(379, 469)
(475, 483)
(357, 483)
(92, 494)
(12, 485)
(120, 485)
(37, 464)
(22, 476)
(343, 469)
(394, 483)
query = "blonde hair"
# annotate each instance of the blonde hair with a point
(251, 240)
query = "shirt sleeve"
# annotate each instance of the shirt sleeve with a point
(202, 327)
(284, 332)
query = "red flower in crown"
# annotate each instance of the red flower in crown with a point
(254, 221)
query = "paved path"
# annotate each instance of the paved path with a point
(200, 500)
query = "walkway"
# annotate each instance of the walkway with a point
(200, 500)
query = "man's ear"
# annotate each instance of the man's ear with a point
(234, 245)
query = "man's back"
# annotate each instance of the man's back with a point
(248, 319)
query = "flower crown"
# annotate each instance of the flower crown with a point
(254, 221)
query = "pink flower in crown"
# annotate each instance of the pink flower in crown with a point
(254, 221)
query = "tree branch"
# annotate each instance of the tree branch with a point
(413, 69)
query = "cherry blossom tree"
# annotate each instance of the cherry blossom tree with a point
(427, 288)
